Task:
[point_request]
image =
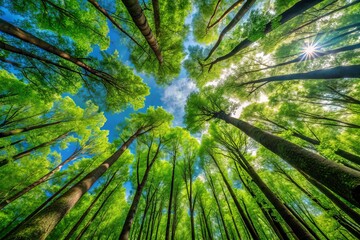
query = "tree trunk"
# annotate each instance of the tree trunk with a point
(167, 234)
(207, 224)
(140, 21)
(95, 214)
(342, 180)
(338, 202)
(26, 129)
(268, 212)
(297, 9)
(349, 156)
(352, 71)
(38, 182)
(324, 15)
(247, 222)
(239, 15)
(81, 219)
(13, 143)
(124, 235)
(41, 225)
(232, 215)
(213, 14)
(29, 38)
(28, 152)
(156, 10)
(232, 7)
(112, 20)
(43, 205)
(212, 186)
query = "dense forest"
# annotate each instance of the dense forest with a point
(185, 119)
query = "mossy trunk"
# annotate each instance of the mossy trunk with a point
(340, 179)
(41, 225)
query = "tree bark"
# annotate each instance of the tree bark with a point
(10, 29)
(342, 180)
(297, 9)
(140, 21)
(41, 225)
(239, 15)
(37, 182)
(352, 71)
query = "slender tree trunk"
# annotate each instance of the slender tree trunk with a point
(95, 214)
(41, 225)
(306, 226)
(147, 206)
(297, 9)
(213, 14)
(212, 186)
(247, 222)
(124, 235)
(10, 29)
(139, 19)
(232, 7)
(207, 224)
(352, 71)
(27, 129)
(269, 215)
(28, 152)
(292, 222)
(175, 219)
(325, 15)
(342, 180)
(156, 10)
(168, 223)
(232, 215)
(339, 203)
(37, 182)
(81, 219)
(239, 15)
(349, 156)
(112, 20)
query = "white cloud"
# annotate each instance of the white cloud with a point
(175, 97)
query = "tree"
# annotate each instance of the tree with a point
(201, 108)
(37, 226)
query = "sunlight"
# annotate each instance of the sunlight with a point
(310, 50)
